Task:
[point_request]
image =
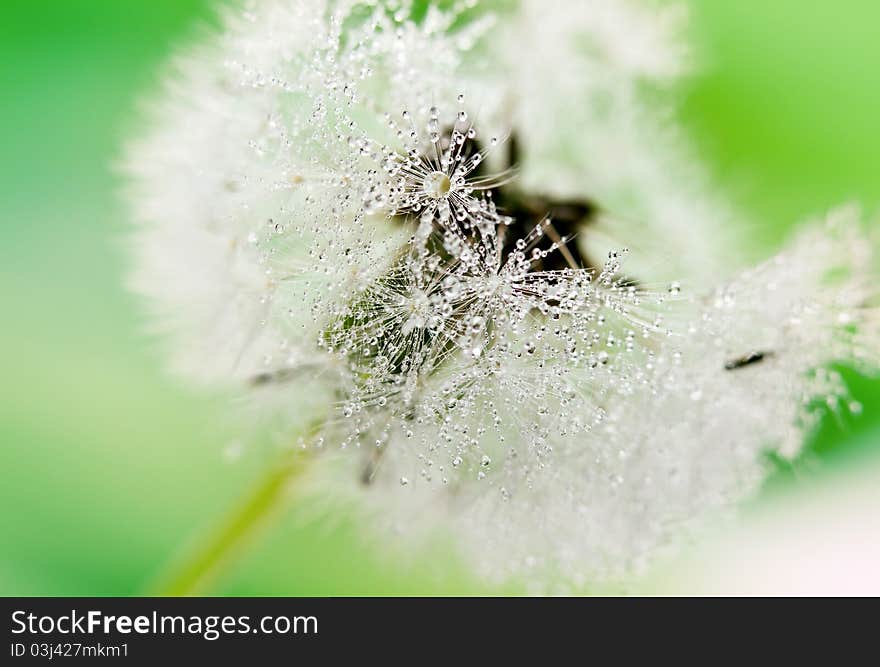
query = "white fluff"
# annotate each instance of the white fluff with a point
(308, 231)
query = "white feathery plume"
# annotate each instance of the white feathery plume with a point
(327, 217)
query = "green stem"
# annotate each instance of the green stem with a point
(200, 565)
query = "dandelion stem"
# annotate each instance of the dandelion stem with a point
(212, 552)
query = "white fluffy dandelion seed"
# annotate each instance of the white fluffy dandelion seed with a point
(434, 177)
(382, 272)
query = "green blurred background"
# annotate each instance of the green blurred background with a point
(107, 466)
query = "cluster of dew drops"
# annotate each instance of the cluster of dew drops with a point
(466, 340)
(466, 350)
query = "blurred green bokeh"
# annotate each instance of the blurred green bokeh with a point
(107, 466)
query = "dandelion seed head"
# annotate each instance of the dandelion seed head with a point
(328, 219)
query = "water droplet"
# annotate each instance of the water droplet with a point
(436, 185)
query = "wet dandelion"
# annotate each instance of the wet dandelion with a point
(314, 229)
